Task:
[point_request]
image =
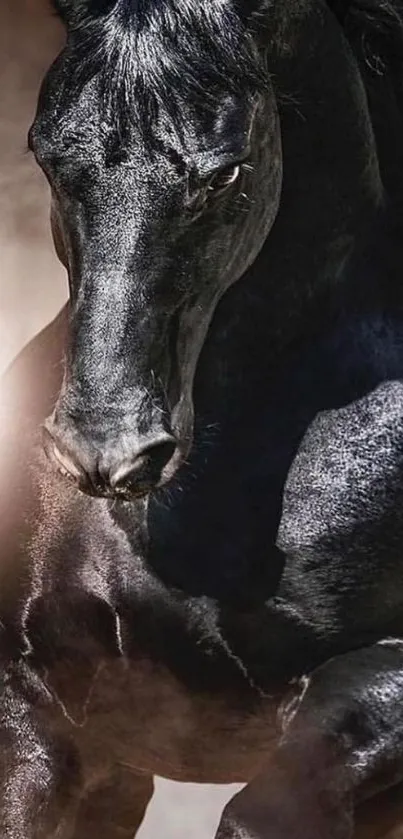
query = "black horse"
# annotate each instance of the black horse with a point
(202, 569)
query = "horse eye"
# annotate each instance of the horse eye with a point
(222, 180)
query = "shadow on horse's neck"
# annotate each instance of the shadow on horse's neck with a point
(222, 516)
(264, 328)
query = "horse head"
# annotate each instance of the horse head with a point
(158, 131)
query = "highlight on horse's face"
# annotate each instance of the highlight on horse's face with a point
(155, 212)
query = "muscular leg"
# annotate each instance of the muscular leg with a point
(115, 808)
(342, 747)
(39, 770)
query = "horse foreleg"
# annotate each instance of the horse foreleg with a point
(116, 807)
(342, 745)
(39, 770)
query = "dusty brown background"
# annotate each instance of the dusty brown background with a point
(33, 287)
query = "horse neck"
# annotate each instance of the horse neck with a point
(329, 251)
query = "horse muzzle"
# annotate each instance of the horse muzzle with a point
(126, 469)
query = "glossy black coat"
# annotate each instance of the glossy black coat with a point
(244, 620)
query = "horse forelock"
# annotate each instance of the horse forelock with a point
(148, 54)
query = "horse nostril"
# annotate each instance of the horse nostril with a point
(66, 464)
(63, 461)
(91, 470)
(144, 470)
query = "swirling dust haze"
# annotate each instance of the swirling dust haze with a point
(32, 282)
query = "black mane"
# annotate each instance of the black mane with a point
(374, 28)
(146, 53)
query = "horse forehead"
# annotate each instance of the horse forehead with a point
(67, 143)
(78, 121)
(175, 138)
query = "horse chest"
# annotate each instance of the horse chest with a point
(153, 684)
(136, 713)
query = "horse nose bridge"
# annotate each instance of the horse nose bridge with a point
(120, 374)
(120, 231)
(118, 296)
(110, 411)
(117, 354)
